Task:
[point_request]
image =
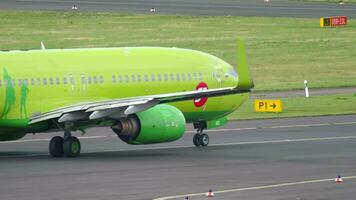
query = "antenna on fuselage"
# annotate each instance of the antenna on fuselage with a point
(43, 46)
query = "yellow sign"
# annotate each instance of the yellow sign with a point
(268, 105)
(324, 22)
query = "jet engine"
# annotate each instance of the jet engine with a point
(161, 123)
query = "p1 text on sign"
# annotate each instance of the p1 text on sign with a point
(268, 105)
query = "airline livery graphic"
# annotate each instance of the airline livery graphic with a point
(201, 101)
(24, 92)
(10, 97)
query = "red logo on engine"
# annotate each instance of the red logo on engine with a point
(201, 101)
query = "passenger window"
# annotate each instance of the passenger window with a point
(152, 77)
(44, 81)
(51, 81)
(172, 77)
(19, 82)
(89, 80)
(119, 78)
(178, 77)
(57, 81)
(13, 82)
(0, 83)
(83, 79)
(32, 81)
(165, 77)
(183, 77)
(159, 77)
(200, 76)
(127, 79)
(138, 78)
(95, 80)
(195, 76)
(146, 78)
(189, 77)
(25, 82)
(38, 81)
(113, 78)
(133, 79)
(5, 82)
(64, 80)
(101, 79)
(71, 79)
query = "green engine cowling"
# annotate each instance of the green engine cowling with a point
(162, 123)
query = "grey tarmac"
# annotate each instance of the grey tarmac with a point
(278, 8)
(244, 154)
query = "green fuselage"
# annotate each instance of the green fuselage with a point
(37, 81)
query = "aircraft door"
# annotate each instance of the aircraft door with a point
(219, 73)
(83, 84)
(71, 84)
(77, 85)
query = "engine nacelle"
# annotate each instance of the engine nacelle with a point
(162, 123)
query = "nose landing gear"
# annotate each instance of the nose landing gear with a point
(200, 138)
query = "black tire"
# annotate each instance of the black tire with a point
(204, 140)
(71, 147)
(56, 147)
(196, 140)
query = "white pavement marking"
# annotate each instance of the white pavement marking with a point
(48, 139)
(254, 188)
(287, 140)
(277, 127)
(211, 145)
(214, 130)
(239, 143)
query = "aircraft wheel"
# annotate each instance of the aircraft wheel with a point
(56, 147)
(204, 140)
(196, 140)
(71, 146)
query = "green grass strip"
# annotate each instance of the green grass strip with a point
(282, 52)
(301, 106)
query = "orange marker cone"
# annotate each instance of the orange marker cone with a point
(210, 193)
(338, 179)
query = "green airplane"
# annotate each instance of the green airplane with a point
(145, 94)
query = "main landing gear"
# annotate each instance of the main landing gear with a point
(200, 138)
(69, 146)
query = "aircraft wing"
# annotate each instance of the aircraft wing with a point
(120, 108)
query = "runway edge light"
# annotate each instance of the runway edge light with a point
(210, 193)
(338, 179)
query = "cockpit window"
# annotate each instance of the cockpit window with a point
(233, 73)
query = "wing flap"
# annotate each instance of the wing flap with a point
(123, 107)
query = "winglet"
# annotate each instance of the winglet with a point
(245, 79)
(43, 46)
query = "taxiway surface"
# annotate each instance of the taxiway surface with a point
(241, 156)
(278, 8)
